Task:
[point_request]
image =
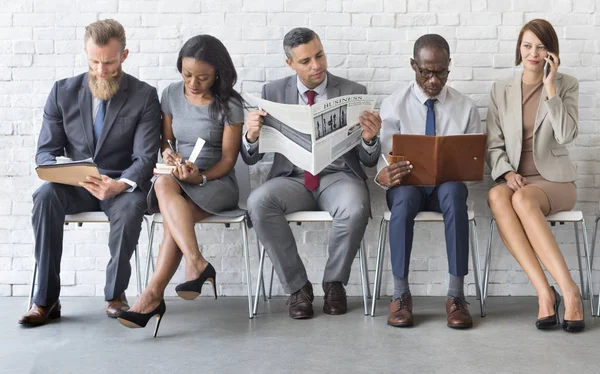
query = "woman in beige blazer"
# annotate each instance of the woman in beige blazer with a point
(530, 120)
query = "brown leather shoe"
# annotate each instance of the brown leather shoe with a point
(400, 314)
(335, 302)
(116, 305)
(301, 302)
(39, 315)
(458, 313)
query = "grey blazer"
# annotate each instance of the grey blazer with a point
(130, 139)
(555, 126)
(285, 91)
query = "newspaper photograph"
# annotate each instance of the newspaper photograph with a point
(311, 137)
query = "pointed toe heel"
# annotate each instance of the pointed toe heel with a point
(190, 290)
(135, 320)
(552, 321)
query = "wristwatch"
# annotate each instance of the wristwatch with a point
(372, 142)
(203, 180)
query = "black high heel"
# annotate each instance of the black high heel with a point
(192, 289)
(135, 320)
(553, 320)
(576, 325)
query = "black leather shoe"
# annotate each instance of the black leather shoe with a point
(552, 321)
(576, 325)
(335, 298)
(135, 320)
(300, 303)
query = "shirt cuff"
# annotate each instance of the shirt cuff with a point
(250, 147)
(377, 183)
(131, 183)
(370, 148)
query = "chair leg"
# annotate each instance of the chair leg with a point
(363, 275)
(247, 260)
(261, 264)
(584, 291)
(378, 267)
(476, 266)
(589, 266)
(33, 277)
(594, 242)
(138, 276)
(149, 258)
(486, 270)
(382, 259)
(262, 278)
(271, 280)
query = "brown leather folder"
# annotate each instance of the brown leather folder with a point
(68, 173)
(439, 159)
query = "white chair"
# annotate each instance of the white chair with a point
(313, 217)
(425, 217)
(238, 216)
(91, 217)
(574, 216)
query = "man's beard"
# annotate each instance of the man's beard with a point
(105, 88)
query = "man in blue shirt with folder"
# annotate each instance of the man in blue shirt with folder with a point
(426, 107)
(114, 119)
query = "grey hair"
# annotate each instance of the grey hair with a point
(296, 37)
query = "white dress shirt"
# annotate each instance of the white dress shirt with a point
(405, 112)
(95, 107)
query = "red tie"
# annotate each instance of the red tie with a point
(311, 181)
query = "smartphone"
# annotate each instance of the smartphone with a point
(547, 67)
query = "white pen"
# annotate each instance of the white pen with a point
(385, 160)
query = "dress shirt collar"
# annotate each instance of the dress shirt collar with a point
(320, 89)
(423, 98)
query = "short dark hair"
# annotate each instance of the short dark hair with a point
(544, 32)
(431, 40)
(296, 37)
(209, 49)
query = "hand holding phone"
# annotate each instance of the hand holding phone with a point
(547, 66)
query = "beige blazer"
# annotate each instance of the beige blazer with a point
(555, 126)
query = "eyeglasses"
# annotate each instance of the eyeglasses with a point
(428, 74)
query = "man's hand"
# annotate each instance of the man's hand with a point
(371, 124)
(254, 122)
(515, 181)
(187, 172)
(104, 187)
(392, 175)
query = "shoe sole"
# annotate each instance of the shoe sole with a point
(459, 327)
(188, 295)
(401, 324)
(302, 317)
(129, 324)
(336, 313)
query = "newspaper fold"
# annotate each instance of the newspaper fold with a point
(311, 137)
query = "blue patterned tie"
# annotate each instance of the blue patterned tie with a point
(99, 121)
(430, 130)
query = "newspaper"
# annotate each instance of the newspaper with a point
(311, 137)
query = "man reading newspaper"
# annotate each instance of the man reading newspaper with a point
(339, 189)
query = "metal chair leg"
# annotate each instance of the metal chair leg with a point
(584, 291)
(382, 259)
(149, 258)
(476, 266)
(589, 266)
(247, 260)
(363, 275)
(138, 276)
(33, 278)
(262, 278)
(271, 280)
(261, 264)
(486, 270)
(378, 268)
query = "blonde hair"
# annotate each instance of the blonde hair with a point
(102, 31)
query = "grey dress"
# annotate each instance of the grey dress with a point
(191, 122)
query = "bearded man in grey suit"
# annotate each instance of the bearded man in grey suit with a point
(339, 189)
(114, 119)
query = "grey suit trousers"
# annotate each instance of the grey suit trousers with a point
(342, 194)
(51, 202)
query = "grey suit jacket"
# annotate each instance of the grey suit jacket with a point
(285, 91)
(555, 126)
(130, 139)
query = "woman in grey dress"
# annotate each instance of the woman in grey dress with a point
(204, 105)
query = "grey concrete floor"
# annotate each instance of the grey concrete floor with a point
(208, 336)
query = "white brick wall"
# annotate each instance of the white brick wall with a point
(367, 40)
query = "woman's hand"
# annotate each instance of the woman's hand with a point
(187, 172)
(171, 158)
(549, 80)
(515, 181)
